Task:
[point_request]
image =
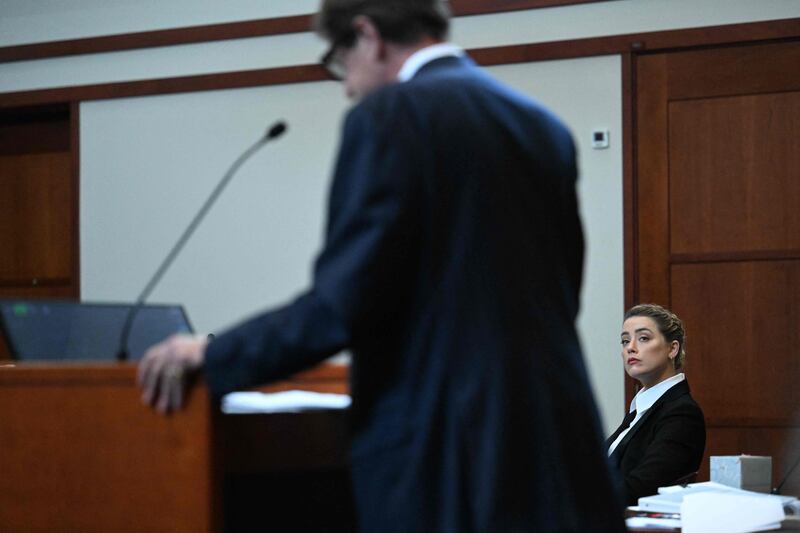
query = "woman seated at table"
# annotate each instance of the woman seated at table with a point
(661, 440)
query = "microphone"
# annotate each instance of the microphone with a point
(275, 131)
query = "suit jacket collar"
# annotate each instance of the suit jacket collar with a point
(443, 63)
(676, 391)
(425, 55)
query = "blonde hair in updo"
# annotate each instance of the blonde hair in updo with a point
(668, 324)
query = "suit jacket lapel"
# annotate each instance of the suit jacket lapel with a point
(674, 392)
(625, 423)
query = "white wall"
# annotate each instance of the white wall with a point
(30, 21)
(148, 163)
(22, 21)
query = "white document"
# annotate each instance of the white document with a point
(644, 522)
(730, 513)
(669, 499)
(293, 401)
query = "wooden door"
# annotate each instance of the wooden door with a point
(38, 204)
(717, 236)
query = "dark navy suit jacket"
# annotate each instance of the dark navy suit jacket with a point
(665, 445)
(451, 269)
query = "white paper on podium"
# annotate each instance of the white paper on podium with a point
(730, 513)
(293, 401)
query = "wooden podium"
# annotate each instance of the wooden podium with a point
(79, 451)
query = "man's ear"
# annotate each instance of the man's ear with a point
(371, 36)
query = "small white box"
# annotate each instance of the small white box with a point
(747, 472)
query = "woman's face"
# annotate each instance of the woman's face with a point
(646, 354)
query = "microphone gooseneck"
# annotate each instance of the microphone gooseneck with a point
(275, 131)
(777, 489)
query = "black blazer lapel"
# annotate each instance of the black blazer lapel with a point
(625, 423)
(675, 391)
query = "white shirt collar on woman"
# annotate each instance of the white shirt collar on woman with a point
(645, 398)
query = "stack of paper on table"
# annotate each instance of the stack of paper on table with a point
(710, 506)
(292, 401)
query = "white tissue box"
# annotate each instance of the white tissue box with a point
(748, 472)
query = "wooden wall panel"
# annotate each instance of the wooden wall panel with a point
(478, 7)
(35, 129)
(717, 133)
(36, 231)
(737, 190)
(743, 332)
(35, 136)
(59, 288)
(763, 68)
(39, 202)
(652, 194)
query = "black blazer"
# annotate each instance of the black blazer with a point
(665, 445)
(451, 269)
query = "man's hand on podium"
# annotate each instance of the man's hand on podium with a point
(165, 369)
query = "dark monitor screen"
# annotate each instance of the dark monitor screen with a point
(58, 330)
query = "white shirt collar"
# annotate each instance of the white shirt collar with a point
(645, 398)
(643, 401)
(423, 56)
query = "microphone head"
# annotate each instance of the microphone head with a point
(277, 129)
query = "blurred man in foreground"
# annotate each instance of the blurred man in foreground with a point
(451, 269)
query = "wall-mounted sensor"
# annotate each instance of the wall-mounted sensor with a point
(600, 138)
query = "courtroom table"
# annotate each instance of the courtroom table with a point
(79, 452)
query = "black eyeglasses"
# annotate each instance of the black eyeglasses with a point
(333, 61)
